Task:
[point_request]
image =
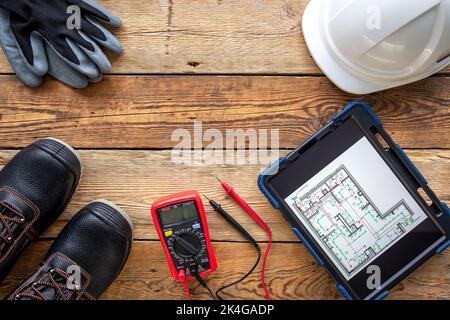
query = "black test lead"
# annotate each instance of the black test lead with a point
(218, 208)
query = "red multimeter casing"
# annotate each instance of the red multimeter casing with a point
(179, 219)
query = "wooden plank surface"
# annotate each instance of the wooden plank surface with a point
(291, 274)
(210, 36)
(143, 111)
(134, 112)
(134, 179)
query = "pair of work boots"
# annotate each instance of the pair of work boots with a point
(89, 253)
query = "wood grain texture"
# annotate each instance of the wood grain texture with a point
(144, 111)
(134, 179)
(210, 36)
(291, 274)
(134, 110)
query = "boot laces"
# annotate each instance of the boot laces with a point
(56, 280)
(9, 219)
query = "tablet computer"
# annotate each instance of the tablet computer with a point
(352, 196)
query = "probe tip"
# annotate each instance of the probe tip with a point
(218, 179)
(206, 197)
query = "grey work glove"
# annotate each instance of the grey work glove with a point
(50, 62)
(43, 58)
(73, 28)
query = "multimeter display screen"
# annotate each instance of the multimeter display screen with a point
(178, 213)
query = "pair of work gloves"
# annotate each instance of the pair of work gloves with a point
(63, 38)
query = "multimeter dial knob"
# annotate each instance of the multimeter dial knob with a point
(187, 245)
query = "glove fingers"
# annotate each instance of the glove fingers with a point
(108, 16)
(34, 54)
(109, 41)
(40, 63)
(85, 64)
(31, 46)
(13, 54)
(61, 71)
(97, 56)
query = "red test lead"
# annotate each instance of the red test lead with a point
(182, 276)
(244, 205)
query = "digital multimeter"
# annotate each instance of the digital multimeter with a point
(182, 227)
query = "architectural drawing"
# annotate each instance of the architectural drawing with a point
(346, 221)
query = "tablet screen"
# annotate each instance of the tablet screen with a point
(356, 208)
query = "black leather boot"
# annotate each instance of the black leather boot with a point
(85, 259)
(35, 188)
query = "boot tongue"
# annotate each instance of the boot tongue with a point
(48, 292)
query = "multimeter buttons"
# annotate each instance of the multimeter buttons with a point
(186, 245)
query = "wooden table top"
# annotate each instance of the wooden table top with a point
(230, 64)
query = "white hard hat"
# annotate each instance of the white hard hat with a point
(365, 46)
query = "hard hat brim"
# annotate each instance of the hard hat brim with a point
(342, 78)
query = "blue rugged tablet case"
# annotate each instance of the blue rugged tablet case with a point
(371, 125)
